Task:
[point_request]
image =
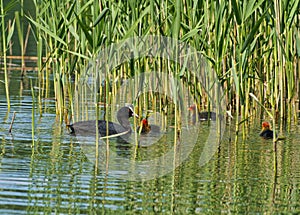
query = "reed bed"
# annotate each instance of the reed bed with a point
(253, 48)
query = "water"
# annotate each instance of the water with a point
(54, 173)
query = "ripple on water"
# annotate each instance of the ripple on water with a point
(54, 175)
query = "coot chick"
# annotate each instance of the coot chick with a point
(266, 132)
(146, 128)
(106, 128)
(202, 116)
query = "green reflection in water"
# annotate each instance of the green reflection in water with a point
(55, 176)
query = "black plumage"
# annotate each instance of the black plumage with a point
(105, 128)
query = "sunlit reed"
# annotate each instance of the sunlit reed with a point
(251, 46)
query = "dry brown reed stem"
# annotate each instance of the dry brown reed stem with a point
(27, 58)
(12, 122)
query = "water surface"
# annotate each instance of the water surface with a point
(53, 174)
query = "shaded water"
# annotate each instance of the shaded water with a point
(53, 174)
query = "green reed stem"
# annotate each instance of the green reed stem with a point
(4, 46)
(20, 35)
(248, 53)
(32, 114)
(97, 133)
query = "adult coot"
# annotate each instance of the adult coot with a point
(106, 128)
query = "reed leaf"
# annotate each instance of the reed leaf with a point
(130, 31)
(46, 30)
(177, 19)
(101, 16)
(251, 7)
(9, 7)
(253, 32)
(76, 54)
(10, 33)
(260, 104)
(85, 28)
(192, 32)
(236, 12)
(293, 12)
